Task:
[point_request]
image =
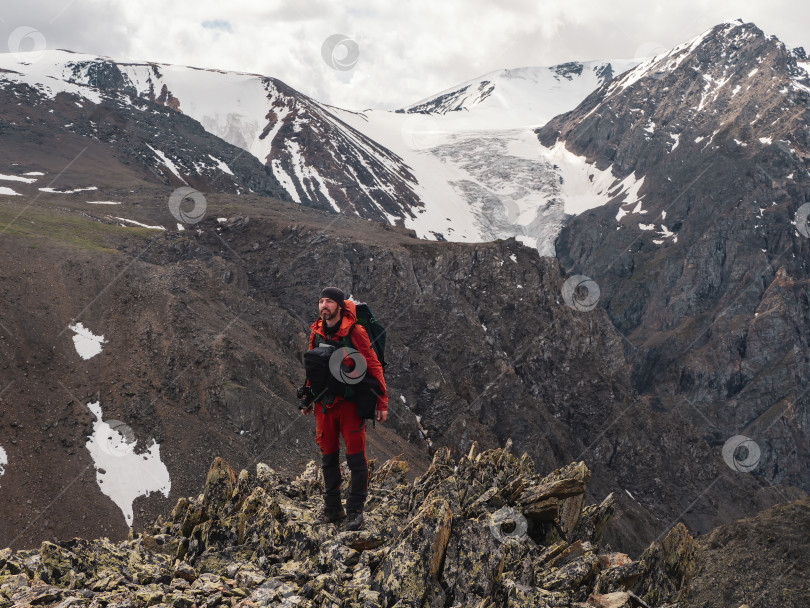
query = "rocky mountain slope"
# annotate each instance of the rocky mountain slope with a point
(471, 175)
(201, 337)
(115, 143)
(705, 272)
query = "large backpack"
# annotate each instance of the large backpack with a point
(375, 331)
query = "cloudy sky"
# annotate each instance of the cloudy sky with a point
(361, 54)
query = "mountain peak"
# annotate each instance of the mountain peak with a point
(535, 93)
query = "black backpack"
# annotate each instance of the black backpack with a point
(375, 331)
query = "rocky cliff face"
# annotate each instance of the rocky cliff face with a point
(706, 277)
(486, 530)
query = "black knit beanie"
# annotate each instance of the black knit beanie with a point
(333, 293)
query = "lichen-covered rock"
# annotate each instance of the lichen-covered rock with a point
(485, 531)
(669, 566)
(219, 485)
(405, 572)
(594, 519)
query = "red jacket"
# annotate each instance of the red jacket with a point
(361, 342)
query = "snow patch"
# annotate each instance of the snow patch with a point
(675, 137)
(17, 178)
(221, 165)
(765, 140)
(87, 344)
(3, 461)
(121, 473)
(168, 163)
(74, 191)
(123, 219)
(585, 187)
(8, 192)
(103, 202)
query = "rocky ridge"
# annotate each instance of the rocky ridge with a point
(486, 530)
(307, 152)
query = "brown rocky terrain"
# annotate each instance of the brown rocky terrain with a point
(762, 561)
(205, 329)
(485, 530)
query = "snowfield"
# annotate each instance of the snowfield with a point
(3, 461)
(121, 473)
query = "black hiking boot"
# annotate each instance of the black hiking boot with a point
(354, 521)
(330, 516)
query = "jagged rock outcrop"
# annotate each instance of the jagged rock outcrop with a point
(465, 533)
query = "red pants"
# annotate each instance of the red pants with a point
(341, 419)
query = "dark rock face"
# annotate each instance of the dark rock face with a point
(462, 534)
(707, 280)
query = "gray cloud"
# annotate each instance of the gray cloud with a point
(407, 51)
(94, 26)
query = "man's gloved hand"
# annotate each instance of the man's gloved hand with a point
(306, 397)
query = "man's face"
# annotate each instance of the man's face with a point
(328, 309)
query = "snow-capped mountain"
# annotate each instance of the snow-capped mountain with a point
(456, 167)
(481, 172)
(519, 97)
(319, 160)
(72, 137)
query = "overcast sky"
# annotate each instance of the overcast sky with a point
(374, 53)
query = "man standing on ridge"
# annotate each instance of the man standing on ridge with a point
(337, 415)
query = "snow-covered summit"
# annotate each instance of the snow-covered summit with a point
(520, 97)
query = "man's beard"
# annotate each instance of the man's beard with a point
(328, 316)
